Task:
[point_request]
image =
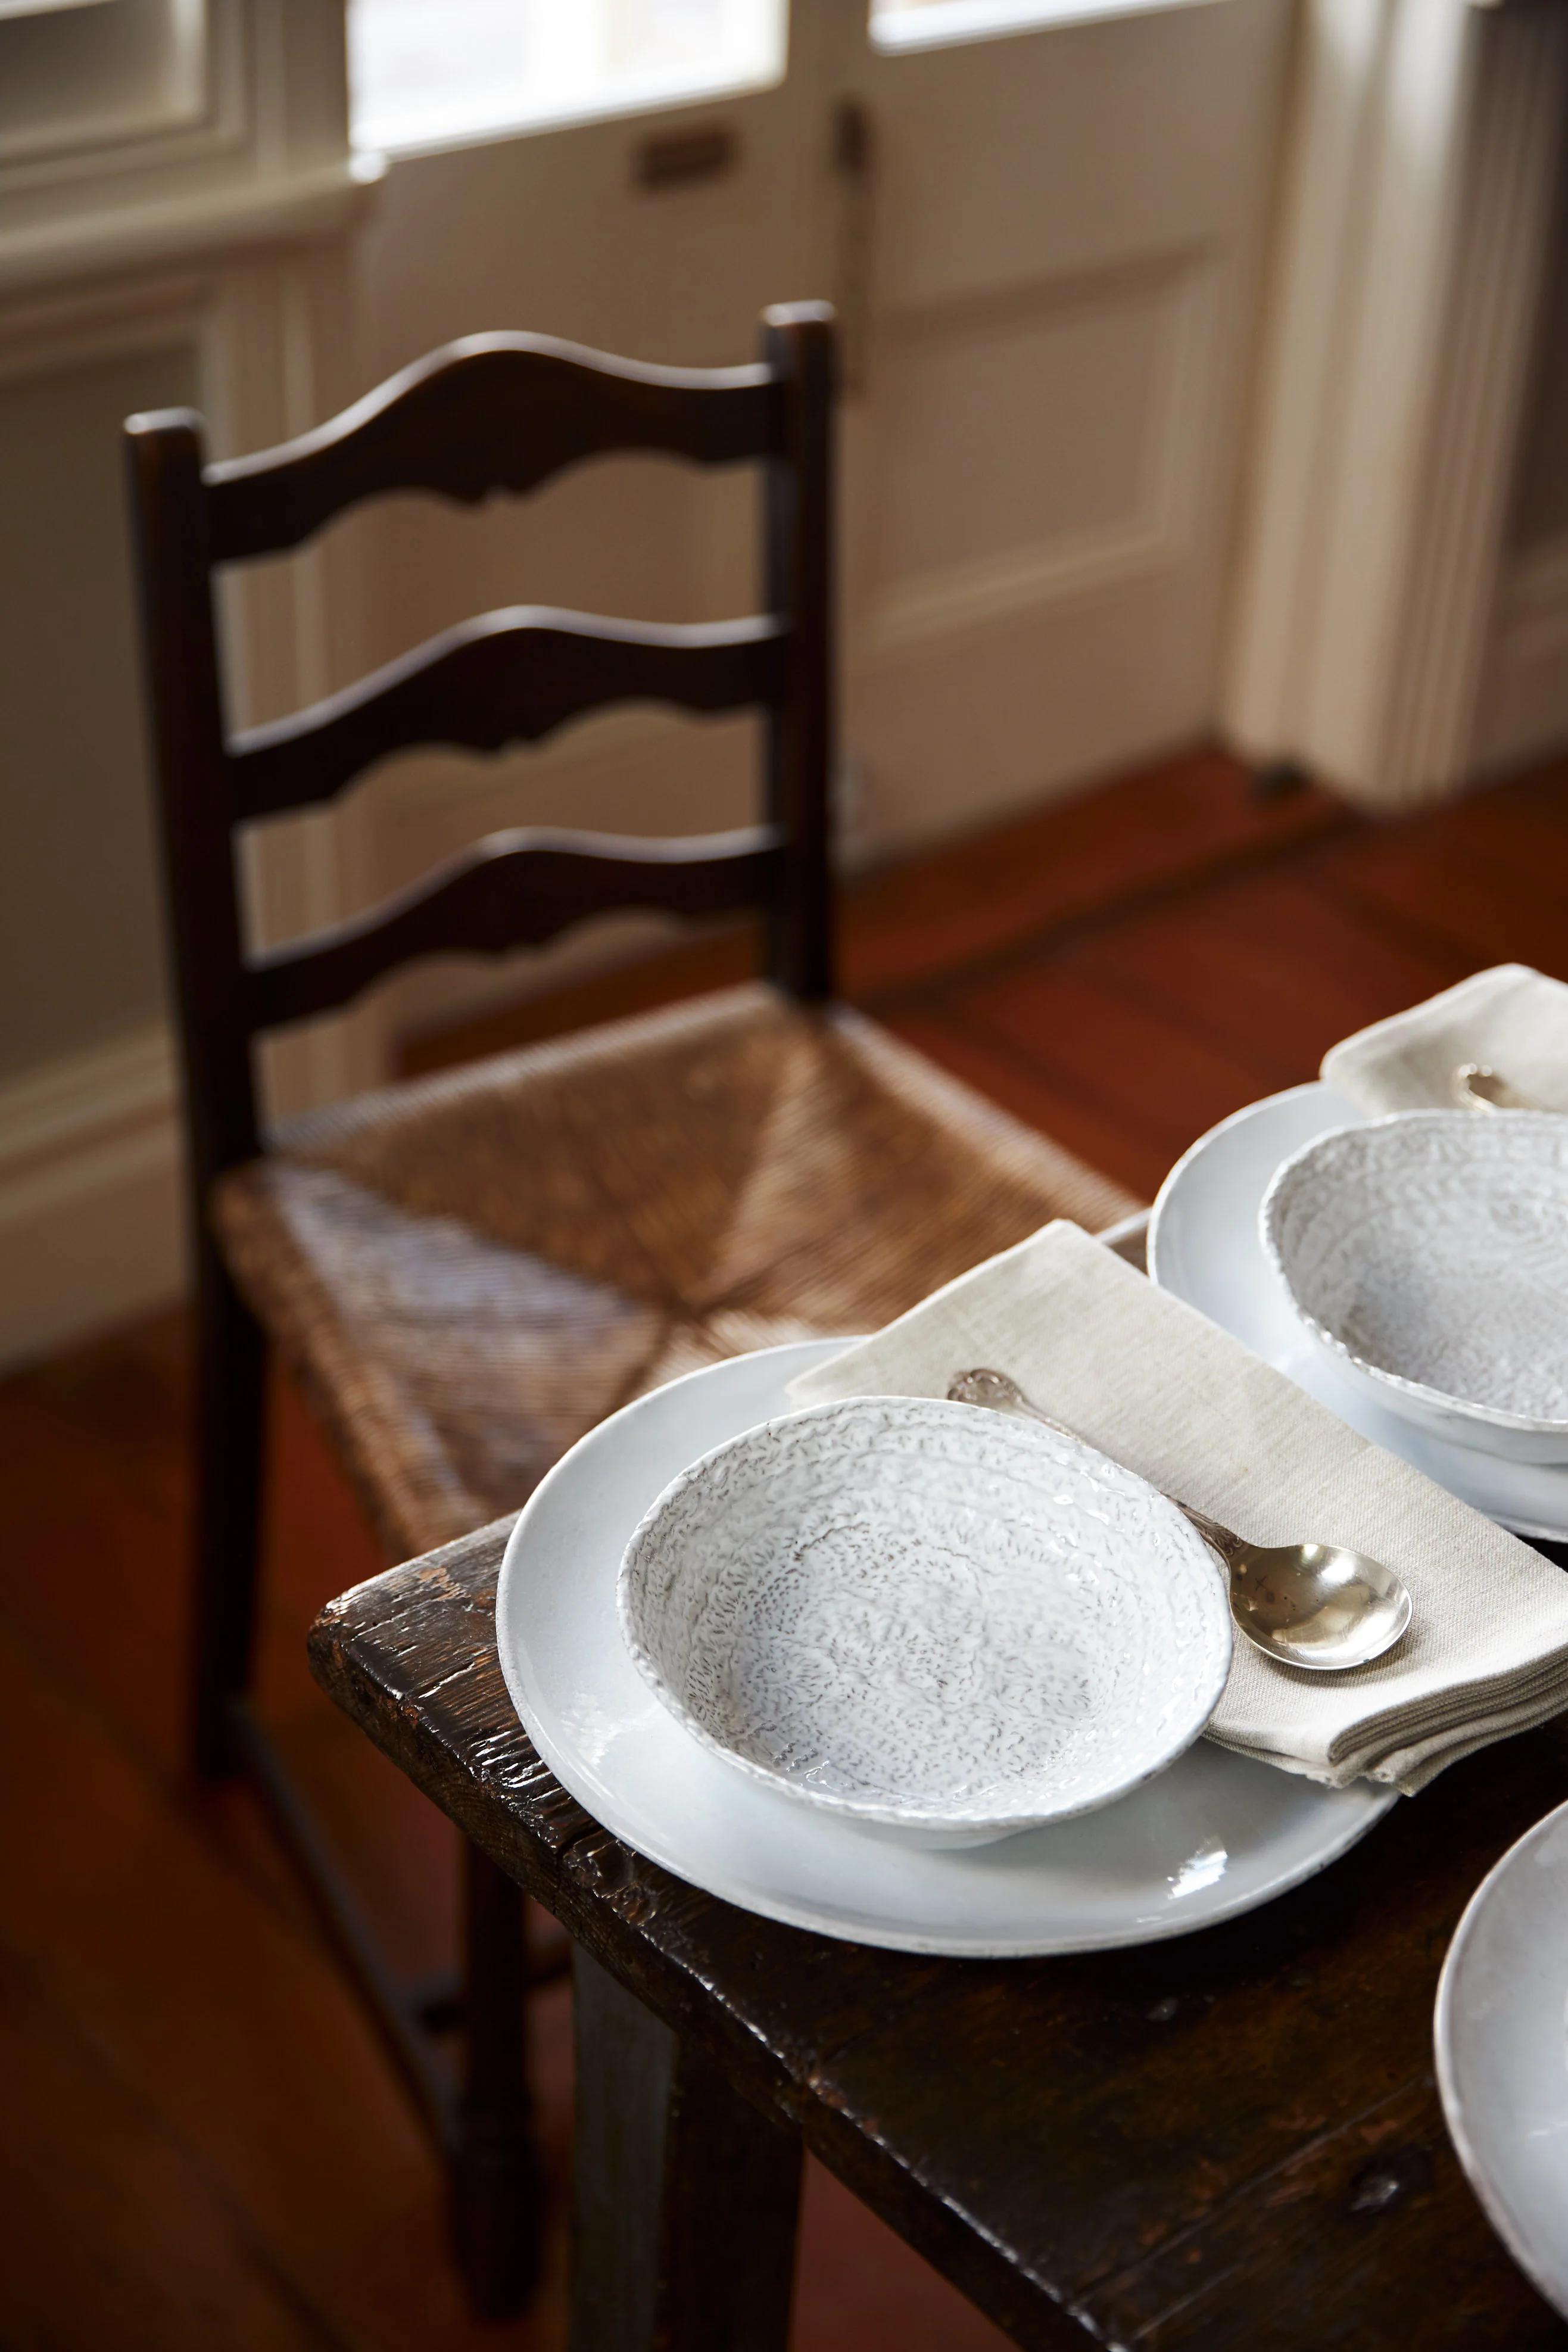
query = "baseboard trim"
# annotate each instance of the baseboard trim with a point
(89, 1194)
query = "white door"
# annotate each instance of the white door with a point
(1052, 290)
(576, 168)
(1047, 238)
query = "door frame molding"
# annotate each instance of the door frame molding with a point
(1409, 272)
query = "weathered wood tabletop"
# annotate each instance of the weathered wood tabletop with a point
(1229, 2140)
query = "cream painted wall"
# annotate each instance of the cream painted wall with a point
(81, 959)
(167, 184)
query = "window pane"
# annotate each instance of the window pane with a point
(42, 7)
(924, 23)
(421, 71)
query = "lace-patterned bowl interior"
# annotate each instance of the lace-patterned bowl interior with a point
(932, 1618)
(1430, 1254)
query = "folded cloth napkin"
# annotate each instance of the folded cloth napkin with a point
(1154, 1384)
(1510, 1019)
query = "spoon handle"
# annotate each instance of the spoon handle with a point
(1004, 1395)
(1474, 1087)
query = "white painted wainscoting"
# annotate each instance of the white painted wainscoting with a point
(90, 1215)
(1407, 293)
(173, 207)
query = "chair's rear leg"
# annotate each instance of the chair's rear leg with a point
(230, 1408)
(495, 2185)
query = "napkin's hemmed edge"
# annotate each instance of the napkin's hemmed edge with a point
(1458, 1704)
(1412, 1766)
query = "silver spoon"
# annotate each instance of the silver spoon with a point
(1317, 1605)
(1476, 1088)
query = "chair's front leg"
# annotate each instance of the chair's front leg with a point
(685, 2196)
(495, 2191)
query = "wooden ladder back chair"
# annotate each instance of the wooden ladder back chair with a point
(465, 1273)
(504, 411)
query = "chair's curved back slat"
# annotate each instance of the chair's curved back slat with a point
(514, 889)
(510, 677)
(495, 412)
(490, 413)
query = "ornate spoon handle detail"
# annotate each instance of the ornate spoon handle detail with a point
(1318, 1606)
(1476, 1087)
(1004, 1395)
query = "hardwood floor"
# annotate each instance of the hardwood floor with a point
(199, 2144)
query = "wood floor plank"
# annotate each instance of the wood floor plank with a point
(1165, 828)
(92, 1459)
(1272, 967)
(235, 2029)
(1436, 892)
(1015, 1080)
(861, 2289)
(123, 1506)
(1129, 1061)
(1518, 827)
(114, 2233)
(118, 1614)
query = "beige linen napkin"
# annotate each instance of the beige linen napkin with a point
(1153, 1383)
(1510, 1019)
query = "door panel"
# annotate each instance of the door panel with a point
(1080, 386)
(1060, 293)
(1047, 246)
(558, 231)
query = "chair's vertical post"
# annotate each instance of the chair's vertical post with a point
(169, 512)
(495, 2190)
(799, 345)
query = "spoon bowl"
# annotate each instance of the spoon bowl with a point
(1318, 1606)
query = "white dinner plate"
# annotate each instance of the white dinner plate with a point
(1206, 1247)
(1502, 2050)
(1215, 1836)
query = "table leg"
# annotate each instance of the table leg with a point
(685, 2196)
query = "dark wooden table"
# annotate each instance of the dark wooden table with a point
(1231, 2140)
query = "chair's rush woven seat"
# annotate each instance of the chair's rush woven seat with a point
(468, 1272)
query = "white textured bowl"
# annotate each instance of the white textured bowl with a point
(936, 1621)
(1500, 2048)
(1428, 1252)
